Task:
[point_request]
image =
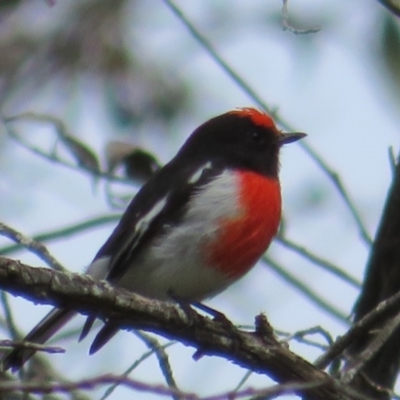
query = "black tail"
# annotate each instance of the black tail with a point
(41, 333)
(105, 334)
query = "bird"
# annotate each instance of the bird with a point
(196, 226)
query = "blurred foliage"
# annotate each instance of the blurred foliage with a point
(139, 165)
(81, 152)
(8, 4)
(89, 43)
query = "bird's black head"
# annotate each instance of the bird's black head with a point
(243, 138)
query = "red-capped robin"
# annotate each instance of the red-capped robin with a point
(199, 224)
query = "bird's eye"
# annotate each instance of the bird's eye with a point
(257, 137)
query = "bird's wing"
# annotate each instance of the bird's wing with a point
(159, 203)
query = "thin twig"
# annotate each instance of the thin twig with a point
(392, 160)
(12, 328)
(306, 290)
(311, 331)
(70, 165)
(6, 344)
(92, 383)
(163, 359)
(360, 327)
(337, 182)
(67, 231)
(34, 246)
(241, 383)
(319, 261)
(357, 362)
(287, 337)
(138, 362)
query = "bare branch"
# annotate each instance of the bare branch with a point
(34, 246)
(30, 345)
(319, 261)
(358, 362)
(364, 325)
(392, 5)
(143, 357)
(163, 359)
(87, 384)
(257, 351)
(306, 290)
(68, 164)
(382, 280)
(66, 231)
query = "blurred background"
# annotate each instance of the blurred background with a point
(79, 77)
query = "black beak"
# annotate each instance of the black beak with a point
(286, 138)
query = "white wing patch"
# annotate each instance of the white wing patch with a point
(100, 268)
(143, 223)
(175, 262)
(197, 175)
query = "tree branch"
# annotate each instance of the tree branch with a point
(392, 5)
(382, 280)
(258, 351)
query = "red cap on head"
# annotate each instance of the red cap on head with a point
(258, 117)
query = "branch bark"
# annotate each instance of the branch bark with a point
(258, 351)
(382, 280)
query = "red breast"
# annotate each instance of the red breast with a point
(244, 238)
